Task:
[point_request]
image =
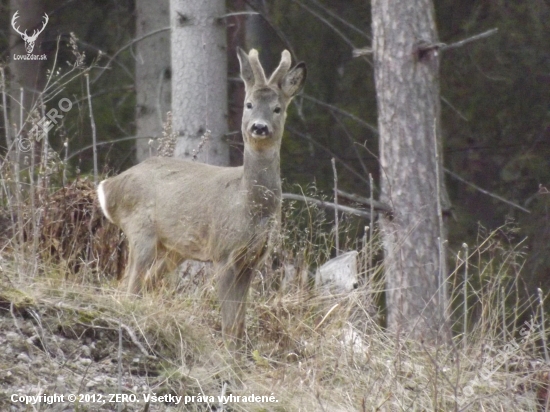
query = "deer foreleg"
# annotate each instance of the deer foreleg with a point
(233, 288)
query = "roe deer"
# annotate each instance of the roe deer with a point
(172, 210)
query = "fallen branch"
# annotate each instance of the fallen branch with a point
(328, 205)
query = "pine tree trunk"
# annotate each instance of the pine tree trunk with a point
(152, 73)
(199, 79)
(407, 89)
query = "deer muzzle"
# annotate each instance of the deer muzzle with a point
(260, 130)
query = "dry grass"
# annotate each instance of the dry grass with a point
(311, 351)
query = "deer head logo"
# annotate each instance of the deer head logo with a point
(29, 40)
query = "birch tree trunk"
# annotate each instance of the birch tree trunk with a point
(407, 90)
(199, 79)
(152, 73)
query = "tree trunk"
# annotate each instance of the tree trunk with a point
(407, 89)
(152, 73)
(199, 79)
(235, 38)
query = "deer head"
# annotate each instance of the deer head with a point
(266, 100)
(29, 40)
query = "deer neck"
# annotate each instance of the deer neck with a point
(262, 181)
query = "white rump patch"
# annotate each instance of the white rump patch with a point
(103, 200)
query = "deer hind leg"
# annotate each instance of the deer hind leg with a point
(165, 263)
(233, 288)
(142, 258)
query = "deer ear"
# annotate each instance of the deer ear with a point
(246, 69)
(294, 80)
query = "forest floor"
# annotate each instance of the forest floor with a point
(305, 353)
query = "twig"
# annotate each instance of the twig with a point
(327, 150)
(33, 214)
(66, 160)
(485, 192)
(336, 222)
(375, 204)
(340, 19)
(326, 316)
(239, 13)
(129, 331)
(15, 322)
(352, 140)
(341, 111)
(122, 139)
(328, 205)
(222, 397)
(461, 43)
(5, 107)
(371, 228)
(448, 103)
(127, 45)
(16, 167)
(119, 362)
(92, 121)
(465, 297)
(363, 51)
(542, 322)
(442, 276)
(326, 22)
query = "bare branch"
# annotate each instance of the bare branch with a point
(240, 13)
(91, 146)
(340, 19)
(327, 150)
(328, 23)
(485, 192)
(361, 52)
(327, 205)
(469, 39)
(341, 111)
(127, 45)
(378, 206)
(92, 122)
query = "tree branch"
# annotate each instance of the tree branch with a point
(338, 110)
(326, 149)
(327, 205)
(461, 43)
(378, 206)
(485, 192)
(127, 45)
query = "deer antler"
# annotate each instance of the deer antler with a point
(280, 72)
(257, 68)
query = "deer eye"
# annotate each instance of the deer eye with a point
(277, 110)
(249, 105)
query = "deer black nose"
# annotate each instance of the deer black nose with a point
(260, 129)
